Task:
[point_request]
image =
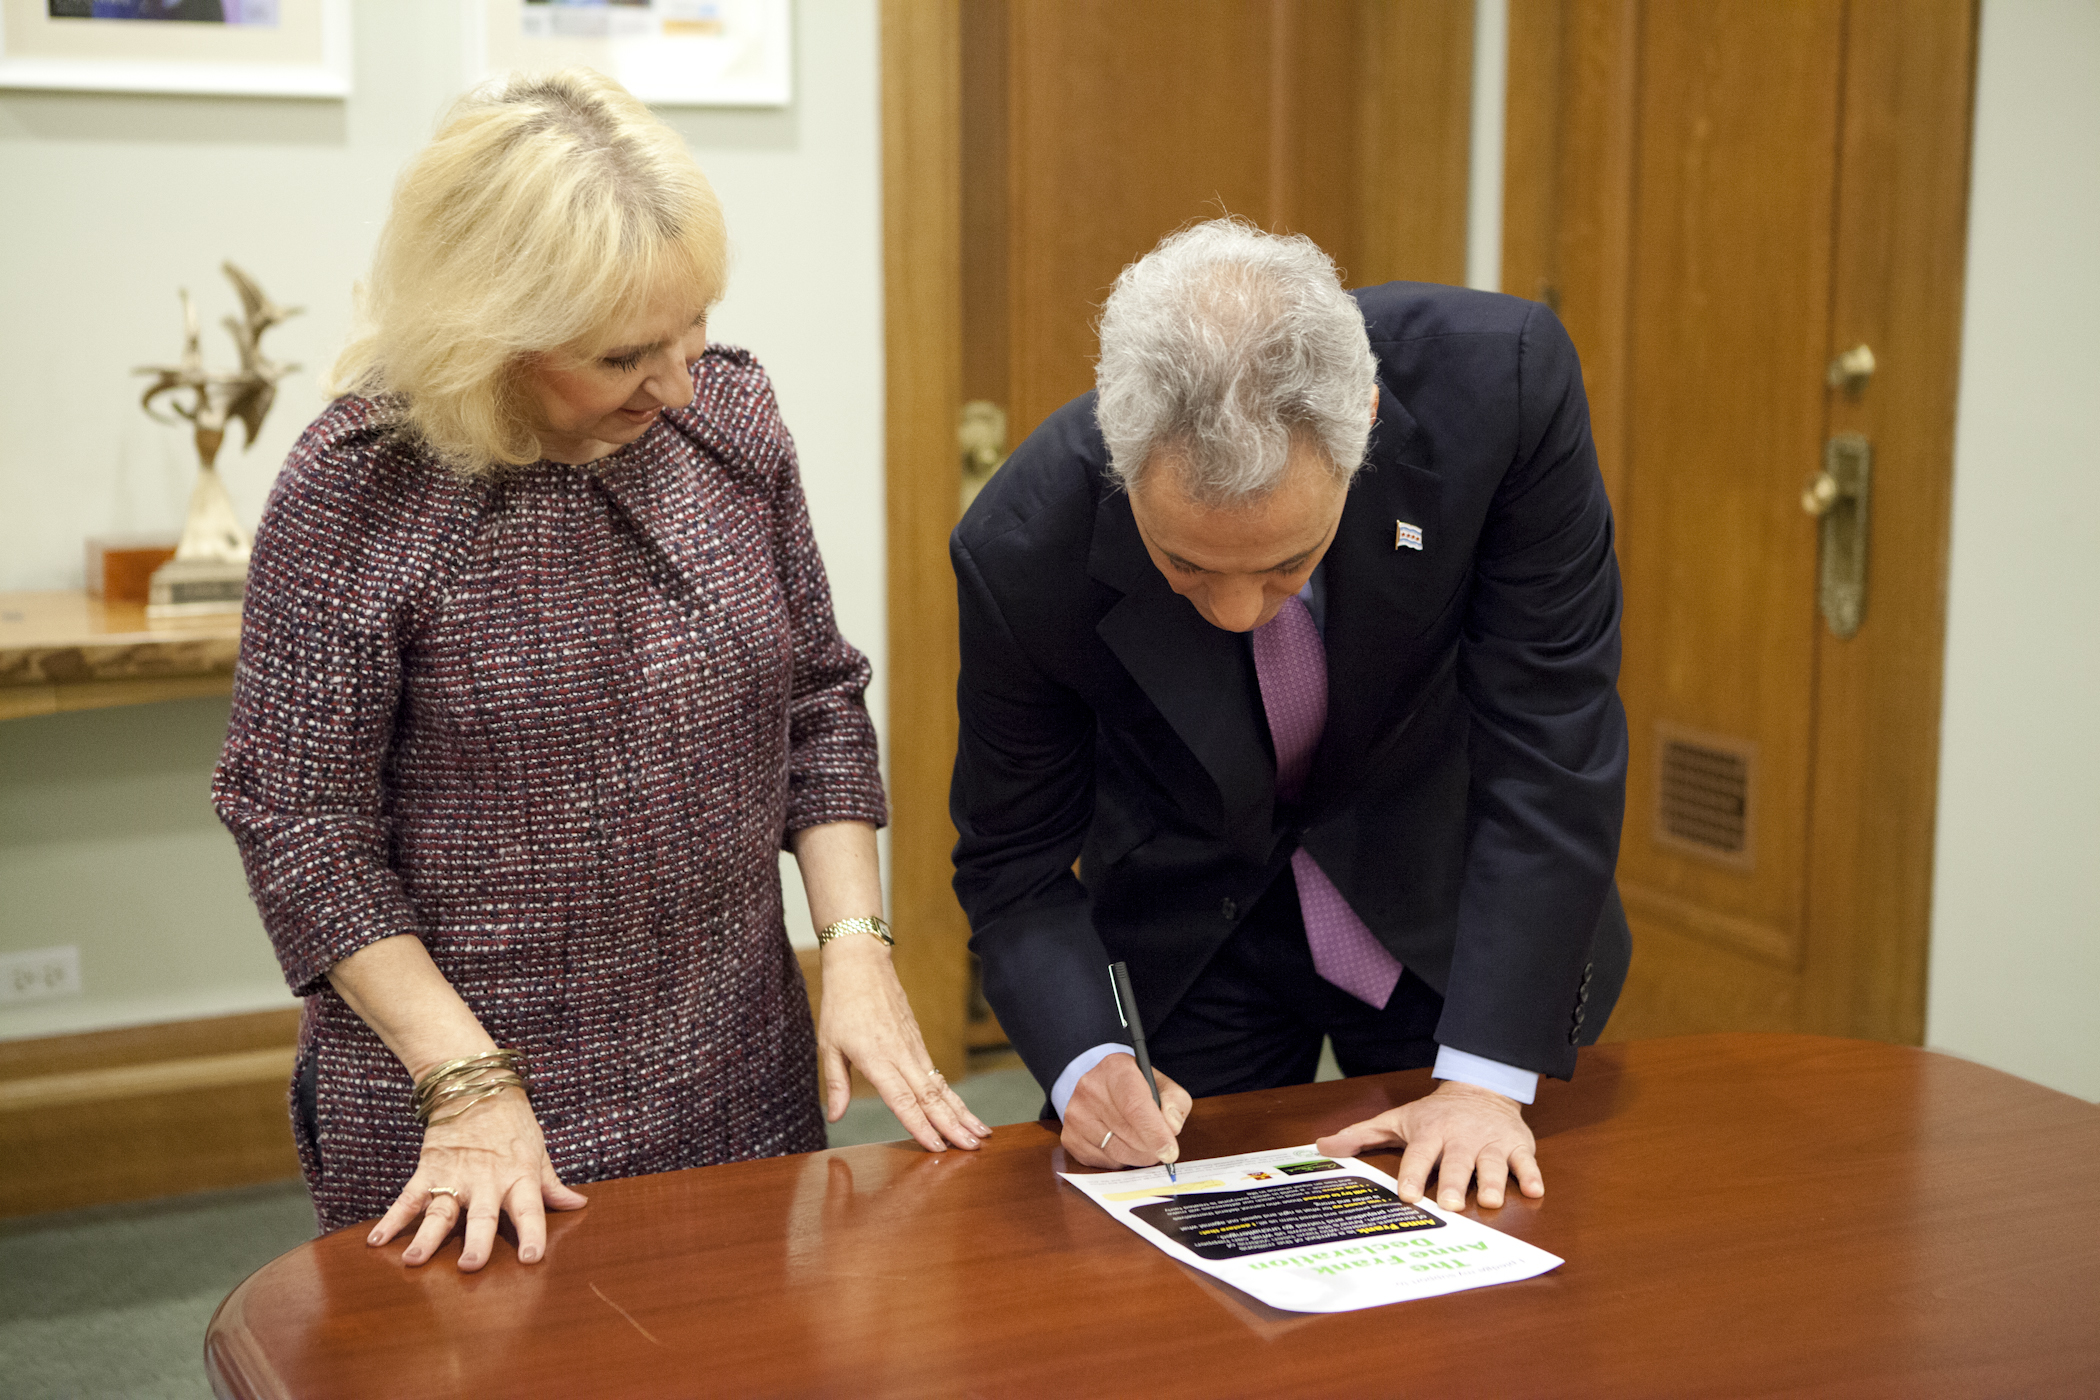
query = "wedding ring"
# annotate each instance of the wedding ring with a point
(1105, 1137)
(437, 1191)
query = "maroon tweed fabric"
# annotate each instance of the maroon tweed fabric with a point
(558, 725)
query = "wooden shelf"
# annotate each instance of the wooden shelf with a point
(145, 1111)
(70, 651)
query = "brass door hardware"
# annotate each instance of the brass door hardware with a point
(1851, 370)
(1837, 497)
(980, 431)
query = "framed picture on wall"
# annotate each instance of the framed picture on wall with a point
(255, 48)
(671, 53)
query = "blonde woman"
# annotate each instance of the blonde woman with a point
(538, 674)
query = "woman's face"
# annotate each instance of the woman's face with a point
(588, 404)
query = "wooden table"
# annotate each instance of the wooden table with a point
(70, 651)
(1740, 1215)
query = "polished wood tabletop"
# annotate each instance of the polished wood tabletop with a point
(1740, 1215)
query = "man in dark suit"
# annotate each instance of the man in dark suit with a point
(1339, 750)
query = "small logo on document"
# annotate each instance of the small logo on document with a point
(1406, 536)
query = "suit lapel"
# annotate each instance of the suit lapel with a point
(1197, 676)
(1369, 583)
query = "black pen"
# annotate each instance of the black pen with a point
(1126, 1007)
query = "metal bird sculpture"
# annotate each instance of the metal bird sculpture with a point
(211, 531)
(218, 398)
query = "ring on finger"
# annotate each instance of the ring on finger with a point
(437, 1191)
(1105, 1137)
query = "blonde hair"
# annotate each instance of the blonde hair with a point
(547, 208)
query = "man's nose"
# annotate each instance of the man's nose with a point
(1236, 604)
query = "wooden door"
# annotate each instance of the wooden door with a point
(1721, 198)
(1032, 148)
(1093, 128)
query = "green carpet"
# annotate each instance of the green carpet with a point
(113, 1301)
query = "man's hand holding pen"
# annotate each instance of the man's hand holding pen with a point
(1111, 1120)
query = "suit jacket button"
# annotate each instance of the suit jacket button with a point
(1230, 909)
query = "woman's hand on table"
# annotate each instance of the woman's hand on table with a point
(866, 1023)
(1111, 1121)
(488, 1162)
(1461, 1130)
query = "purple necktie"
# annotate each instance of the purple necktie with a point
(1291, 663)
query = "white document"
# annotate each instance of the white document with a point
(1305, 1233)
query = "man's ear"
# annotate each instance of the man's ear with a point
(1374, 403)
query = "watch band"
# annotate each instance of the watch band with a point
(873, 926)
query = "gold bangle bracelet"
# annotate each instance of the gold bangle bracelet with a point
(873, 926)
(468, 1096)
(460, 1084)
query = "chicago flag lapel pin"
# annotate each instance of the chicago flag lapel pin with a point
(1406, 536)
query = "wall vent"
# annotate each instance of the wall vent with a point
(1704, 787)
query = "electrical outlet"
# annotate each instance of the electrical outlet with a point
(40, 972)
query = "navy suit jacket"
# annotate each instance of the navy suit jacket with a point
(1467, 793)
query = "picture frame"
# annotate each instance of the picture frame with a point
(245, 48)
(668, 53)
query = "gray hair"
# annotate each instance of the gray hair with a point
(1221, 346)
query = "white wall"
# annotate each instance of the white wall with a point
(2016, 889)
(1484, 164)
(108, 204)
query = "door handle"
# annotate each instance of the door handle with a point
(980, 431)
(1837, 497)
(1851, 370)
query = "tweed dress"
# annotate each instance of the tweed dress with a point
(558, 725)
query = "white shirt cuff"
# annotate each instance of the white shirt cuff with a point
(1061, 1091)
(1506, 1080)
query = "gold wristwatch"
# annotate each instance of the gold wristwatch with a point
(874, 927)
